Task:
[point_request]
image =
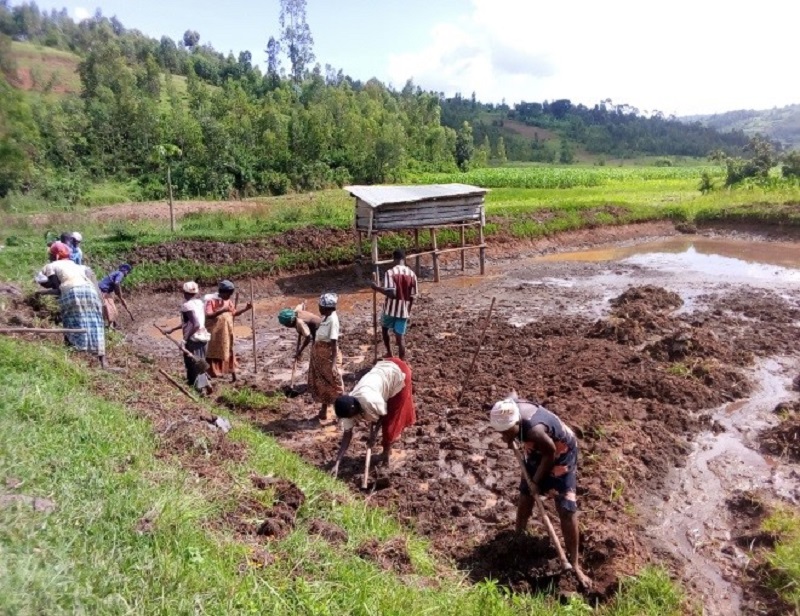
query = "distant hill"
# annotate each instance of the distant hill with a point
(780, 123)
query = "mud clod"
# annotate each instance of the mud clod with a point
(391, 555)
(330, 532)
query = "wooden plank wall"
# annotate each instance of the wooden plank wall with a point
(420, 215)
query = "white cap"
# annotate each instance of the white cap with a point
(504, 415)
(191, 287)
(76, 235)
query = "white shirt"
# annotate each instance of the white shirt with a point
(328, 330)
(69, 274)
(196, 307)
(384, 381)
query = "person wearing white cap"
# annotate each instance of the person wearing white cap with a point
(77, 254)
(195, 336)
(551, 451)
(324, 367)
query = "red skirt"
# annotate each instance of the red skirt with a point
(400, 413)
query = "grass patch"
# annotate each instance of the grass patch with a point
(247, 398)
(784, 559)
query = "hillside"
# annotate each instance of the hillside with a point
(44, 69)
(780, 123)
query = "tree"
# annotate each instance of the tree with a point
(165, 154)
(565, 154)
(296, 37)
(273, 63)
(465, 146)
(501, 150)
(190, 39)
(791, 165)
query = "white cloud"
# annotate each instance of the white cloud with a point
(679, 57)
(79, 13)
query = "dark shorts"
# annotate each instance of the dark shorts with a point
(561, 484)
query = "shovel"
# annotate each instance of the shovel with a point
(565, 564)
(200, 365)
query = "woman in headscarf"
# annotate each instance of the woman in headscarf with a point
(110, 286)
(220, 312)
(304, 322)
(324, 375)
(195, 337)
(77, 300)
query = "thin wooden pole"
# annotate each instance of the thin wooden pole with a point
(435, 256)
(40, 330)
(463, 244)
(478, 350)
(253, 325)
(482, 249)
(376, 279)
(178, 385)
(416, 248)
(171, 207)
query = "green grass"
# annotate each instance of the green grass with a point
(608, 196)
(784, 559)
(96, 461)
(51, 69)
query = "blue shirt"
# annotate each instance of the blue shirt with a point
(108, 283)
(76, 256)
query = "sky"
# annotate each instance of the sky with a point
(680, 57)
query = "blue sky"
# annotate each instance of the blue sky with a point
(683, 57)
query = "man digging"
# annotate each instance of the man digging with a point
(400, 289)
(384, 398)
(551, 461)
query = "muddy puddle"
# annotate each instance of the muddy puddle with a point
(672, 388)
(693, 521)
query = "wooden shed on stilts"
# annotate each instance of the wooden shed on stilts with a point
(381, 209)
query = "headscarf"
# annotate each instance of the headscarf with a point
(60, 250)
(287, 317)
(504, 415)
(226, 286)
(328, 300)
(76, 235)
(191, 287)
(125, 268)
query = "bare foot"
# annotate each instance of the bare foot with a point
(584, 580)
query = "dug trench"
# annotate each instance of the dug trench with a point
(640, 379)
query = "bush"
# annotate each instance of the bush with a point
(273, 183)
(791, 165)
(662, 162)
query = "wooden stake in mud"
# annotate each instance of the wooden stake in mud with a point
(376, 279)
(178, 385)
(478, 350)
(435, 256)
(40, 330)
(567, 566)
(253, 325)
(416, 249)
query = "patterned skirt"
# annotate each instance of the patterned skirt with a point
(324, 384)
(81, 309)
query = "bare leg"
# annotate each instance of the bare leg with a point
(386, 342)
(569, 527)
(401, 346)
(387, 456)
(524, 511)
(323, 412)
(103, 363)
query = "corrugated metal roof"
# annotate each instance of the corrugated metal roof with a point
(377, 196)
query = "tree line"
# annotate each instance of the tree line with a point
(225, 129)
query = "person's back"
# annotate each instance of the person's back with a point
(69, 274)
(403, 280)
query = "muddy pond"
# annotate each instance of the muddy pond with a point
(667, 357)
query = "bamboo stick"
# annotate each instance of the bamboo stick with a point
(253, 325)
(478, 350)
(178, 385)
(40, 330)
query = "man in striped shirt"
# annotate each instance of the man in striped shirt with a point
(400, 289)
